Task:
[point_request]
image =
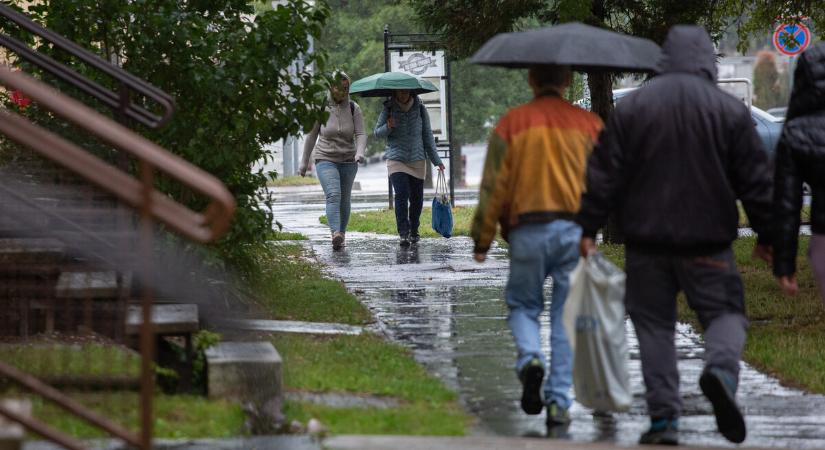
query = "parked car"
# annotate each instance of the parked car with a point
(768, 126)
(779, 111)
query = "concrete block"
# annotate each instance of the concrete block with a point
(245, 372)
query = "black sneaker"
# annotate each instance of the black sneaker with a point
(532, 375)
(720, 388)
(404, 241)
(415, 237)
(556, 415)
(661, 432)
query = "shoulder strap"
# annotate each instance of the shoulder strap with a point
(352, 108)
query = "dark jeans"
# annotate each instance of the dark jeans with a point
(714, 291)
(409, 199)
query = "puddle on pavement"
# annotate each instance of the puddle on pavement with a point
(447, 309)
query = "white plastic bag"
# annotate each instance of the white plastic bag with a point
(594, 317)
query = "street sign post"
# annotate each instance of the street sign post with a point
(791, 38)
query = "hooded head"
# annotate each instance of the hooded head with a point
(688, 49)
(808, 94)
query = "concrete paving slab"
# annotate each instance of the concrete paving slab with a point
(355, 442)
(293, 326)
(337, 400)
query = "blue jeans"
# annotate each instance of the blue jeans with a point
(539, 250)
(409, 200)
(336, 180)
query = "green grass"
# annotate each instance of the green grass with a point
(292, 287)
(367, 365)
(287, 236)
(362, 364)
(51, 359)
(785, 338)
(293, 180)
(413, 419)
(177, 416)
(383, 221)
(743, 218)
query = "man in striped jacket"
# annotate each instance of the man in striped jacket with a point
(532, 184)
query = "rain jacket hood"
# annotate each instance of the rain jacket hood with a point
(688, 49)
(808, 94)
(676, 156)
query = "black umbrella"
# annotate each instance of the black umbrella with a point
(583, 47)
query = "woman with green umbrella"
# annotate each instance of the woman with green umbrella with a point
(405, 123)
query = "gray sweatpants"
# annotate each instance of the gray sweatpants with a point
(714, 291)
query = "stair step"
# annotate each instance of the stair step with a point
(81, 285)
(168, 319)
(28, 250)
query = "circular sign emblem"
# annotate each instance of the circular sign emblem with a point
(417, 63)
(791, 38)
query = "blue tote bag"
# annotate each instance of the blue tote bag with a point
(442, 213)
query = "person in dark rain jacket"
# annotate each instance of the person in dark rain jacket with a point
(674, 158)
(801, 158)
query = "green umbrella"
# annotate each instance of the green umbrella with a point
(383, 84)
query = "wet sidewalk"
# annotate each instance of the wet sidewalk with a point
(435, 300)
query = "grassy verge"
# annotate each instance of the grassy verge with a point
(367, 365)
(293, 180)
(287, 236)
(293, 287)
(176, 416)
(52, 359)
(383, 221)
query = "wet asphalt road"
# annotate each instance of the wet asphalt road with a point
(435, 300)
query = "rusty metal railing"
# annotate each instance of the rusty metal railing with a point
(203, 226)
(139, 193)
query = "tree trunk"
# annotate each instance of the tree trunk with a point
(601, 101)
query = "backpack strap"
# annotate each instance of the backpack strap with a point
(352, 108)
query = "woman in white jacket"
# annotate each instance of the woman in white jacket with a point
(338, 146)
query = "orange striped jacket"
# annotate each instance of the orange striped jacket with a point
(535, 166)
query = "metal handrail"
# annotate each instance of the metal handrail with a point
(202, 227)
(118, 101)
(52, 394)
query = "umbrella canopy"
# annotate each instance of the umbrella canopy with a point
(581, 46)
(383, 84)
